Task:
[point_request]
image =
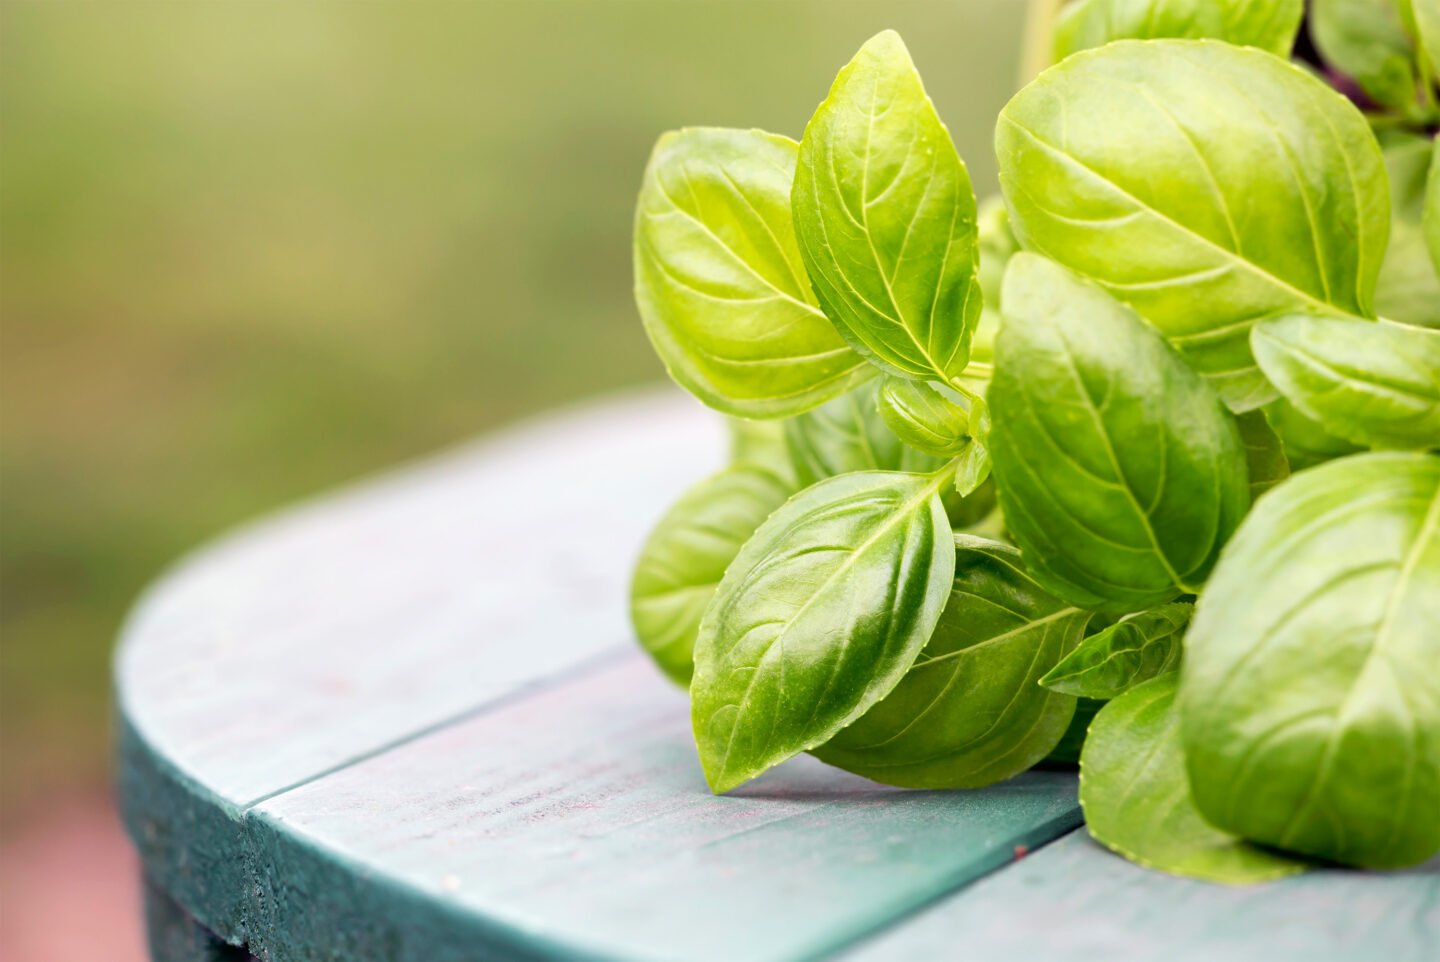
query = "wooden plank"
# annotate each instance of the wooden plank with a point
(575, 823)
(1074, 900)
(172, 935)
(351, 624)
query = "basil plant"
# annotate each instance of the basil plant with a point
(1012, 480)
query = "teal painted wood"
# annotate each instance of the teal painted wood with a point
(346, 625)
(575, 824)
(173, 936)
(1074, 900)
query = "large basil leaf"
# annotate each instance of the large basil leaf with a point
(1369, 41)
(1409, 285)
(1135, 649)
(1264, 452)
(1206, 185)
(820, 615)
(1268, 24)
(1310, 703)
(1370, 383)
(849, 434)
(1137, 801)
(969, 712)
(1306, 443)
(1120, 472)
(719, 281)
(923, 418)
(885, 216)
(687, 553)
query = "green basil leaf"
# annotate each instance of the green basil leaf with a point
(1120, 472)
(849, 434)
(1306, 442)
(1427, 31)
(1137, 801)
(687, 553)
(1205, 185)
(1409, 285)
(1067, 751)
(1135, 649)
(1268, 24)
(719, 280)
(762, 443)
(820, 615)
(1310, 702)
(997, 246)
(1264, 452)
(1370, 383)
(972, 467)
(1430, 220)
(885, 216)
(923, 418)
(1368, 40)
(969, 712)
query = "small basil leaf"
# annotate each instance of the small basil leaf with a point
(1409, 286)
(885, 216)
(820, 615)
(1368, 40)
(1370, 383)
(1310, 702)
(972, 467)
(1195, 180)
(849, 434)
(969, 712)
(1268, 24)
(997, 246)
(1137, 802)
(1306, 442)
(1067, 751)
(1264, 452)
(1135, 649)
(687, 553)
(923, 418)
(719, 281)
(1120, 472)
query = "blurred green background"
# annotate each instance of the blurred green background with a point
(251, 250)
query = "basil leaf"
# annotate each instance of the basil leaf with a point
(818, 618)
(1368, 40)
(1135, 649)
(1430, 220)
(1268, 24)
(1306, 442)
(719, 281)
(1206, 185)
(762, 443)
(997, 246)
(1067, 751)
(885, 216)
(849, 434)
(1264, 453)
(1370, 383)
(923, 418)
(1120, 473)
(1409, 286)
(1310, 703)
(969, 712)
(1427, 31)
(687, 553)
(1137, 802)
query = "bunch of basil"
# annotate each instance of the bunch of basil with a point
(996, 468)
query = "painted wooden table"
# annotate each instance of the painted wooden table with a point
(408, 721)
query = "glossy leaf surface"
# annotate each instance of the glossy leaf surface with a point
(1310, 700)
(1264, 452)
(1306, 443)
(969, 712)
(820, 615)
(1119, 470)
(1135, 649)
(922, 417)
(1206, 185)
(687, 553)
(849, 434)
(1268, 24)
(719, 281)
(885, 217)
(1370, 383)
(1137, 802)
